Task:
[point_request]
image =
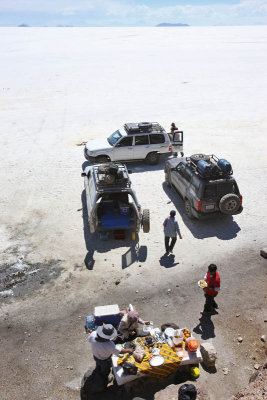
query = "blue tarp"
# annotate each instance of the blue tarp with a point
(113, 219)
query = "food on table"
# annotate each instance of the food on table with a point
(187, 333)
(139, 353)
(149, 341)
(126, 358)
(177, 341)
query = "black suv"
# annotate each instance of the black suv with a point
(206, 185)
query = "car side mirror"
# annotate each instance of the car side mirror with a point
(83, 174)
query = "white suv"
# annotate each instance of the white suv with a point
(135, 141)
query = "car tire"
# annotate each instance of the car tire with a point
(146, 221)
(102, 159)
(229, 204)
(167, 180)
(197, 157)
(152, 158)
(188, 209)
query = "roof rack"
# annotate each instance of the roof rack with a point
(107, 176)
(140, 127)
(209, 166)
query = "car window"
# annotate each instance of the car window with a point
(180, 168)
(126, 141)
(183, 171)
(227, 187)
(195, 183)
(210, 191)
(141, 140)
(114, 138)
(156, 138)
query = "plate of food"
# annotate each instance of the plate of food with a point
(156, 361)
(202, 283)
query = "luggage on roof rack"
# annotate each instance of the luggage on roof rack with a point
(138, 127)
(112, 175)
(144, 126)
(209, 166)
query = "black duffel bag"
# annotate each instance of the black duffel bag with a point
(187, 392)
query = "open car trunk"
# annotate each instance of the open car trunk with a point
(115, 211)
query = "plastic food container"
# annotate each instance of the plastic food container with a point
(169, 332)
(177, 341)
(192, 344)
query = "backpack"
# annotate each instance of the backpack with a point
(187, 392)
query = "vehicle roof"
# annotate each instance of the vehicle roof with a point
(175, 161)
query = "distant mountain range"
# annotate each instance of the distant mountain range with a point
(168, 24)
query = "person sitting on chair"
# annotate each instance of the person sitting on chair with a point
(128, 327)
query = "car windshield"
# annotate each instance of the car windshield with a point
(220, 189)
(114, 137)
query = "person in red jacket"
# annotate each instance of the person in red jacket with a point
(212, 278)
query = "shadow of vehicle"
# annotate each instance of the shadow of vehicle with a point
(167, 261)
(224, 228)
(137, 166)
(93, 243)
(134, 254)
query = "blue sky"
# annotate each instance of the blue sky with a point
(132, 12)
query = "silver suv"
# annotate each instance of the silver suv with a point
(111, 202)
(206, 185)
(135, 141)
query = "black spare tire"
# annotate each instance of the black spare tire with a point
(229, 204)
(197, 157)
(146, 221)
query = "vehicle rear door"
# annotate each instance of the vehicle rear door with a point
(91, 196)
(124, 149)
(177, 141)
(210, 201)
(141, 146)
(158, 143)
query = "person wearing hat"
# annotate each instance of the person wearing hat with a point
(213, 280)
(103, 347)
(128, 327)
(171, 229)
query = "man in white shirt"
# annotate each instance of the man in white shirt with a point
(103, 348)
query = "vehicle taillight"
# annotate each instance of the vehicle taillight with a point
(170, 148)
(199, 205)
(241, 199)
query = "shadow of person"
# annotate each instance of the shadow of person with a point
(167, 261)
(205, 327)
